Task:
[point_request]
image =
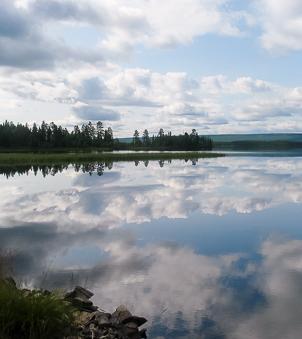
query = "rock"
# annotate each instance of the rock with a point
(139, 321)
(83, 301)
(131, 330)
(94, 324)
(83, 318)
(100, 318)
(120, 314)
(143, 333)
(131, 325)
(79, 292)
(83, 305)
(79, 298)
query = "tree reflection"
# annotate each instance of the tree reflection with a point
(88, 167)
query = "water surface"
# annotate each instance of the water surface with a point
(207, 249)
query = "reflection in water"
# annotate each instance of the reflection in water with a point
(95, 167)
(169, 237)
(88, 167)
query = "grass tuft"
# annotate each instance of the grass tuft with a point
(28, 314)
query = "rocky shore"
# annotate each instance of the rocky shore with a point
(35, 313)
(93, 323)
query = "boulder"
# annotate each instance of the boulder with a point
(139, 321)
(120, 314)
(95, 324)
(79, 292)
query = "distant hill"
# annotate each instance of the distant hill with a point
(291, 137)
(258, 142)
(126, 140)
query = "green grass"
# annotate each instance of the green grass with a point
(52, 158)
(33, 314)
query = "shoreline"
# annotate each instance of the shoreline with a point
(51, 158)
(70, 315)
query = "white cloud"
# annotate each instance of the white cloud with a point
(94, 112)
(182, 21)
(249, 85)
(173, 100)
(26, 26)
(281, 22)
(218, 84)
(45, 59)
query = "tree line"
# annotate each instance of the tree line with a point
(168, 141)
(47, 136)
(54, 136)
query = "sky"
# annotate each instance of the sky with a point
(220, 66)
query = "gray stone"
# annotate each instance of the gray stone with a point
(143, 333)
(101, 318)
(83, 305)
(121, 324)
(139, 321)
(120, 314)
(79, 292)
(132, 326)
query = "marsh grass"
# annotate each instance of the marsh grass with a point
(28, 314)
(53, 158)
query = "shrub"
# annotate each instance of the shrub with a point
(28, 314)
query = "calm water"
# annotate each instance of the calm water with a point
(211, 249)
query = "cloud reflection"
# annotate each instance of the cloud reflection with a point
(74, 229)
(129, 194)
(181, 292)
(280, 278)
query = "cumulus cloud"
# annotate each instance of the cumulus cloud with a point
(196, 18)
(119, 25)
(12, 23)
(65, 10)
(25, 45)
(173, 101)
(217, 84)
(89, 112)
(49, 59)
(249, 85)
(20, 41)
(282, 24)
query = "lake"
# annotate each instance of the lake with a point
(202, 249)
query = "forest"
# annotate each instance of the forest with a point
(52, 136)
(167, 141)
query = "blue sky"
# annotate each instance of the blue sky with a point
(220, 66)
(231, 56)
